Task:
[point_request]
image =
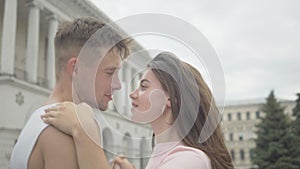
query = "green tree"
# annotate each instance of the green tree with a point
(295, 130)
(273, 138)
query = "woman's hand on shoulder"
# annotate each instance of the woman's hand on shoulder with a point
(64, 116)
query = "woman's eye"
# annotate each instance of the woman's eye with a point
(143, 87)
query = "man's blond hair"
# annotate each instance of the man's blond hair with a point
(71, 36)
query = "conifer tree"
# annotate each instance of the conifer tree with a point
(273, 138)
(295, 130)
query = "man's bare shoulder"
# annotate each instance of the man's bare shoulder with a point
(51, 133)
(58, 149)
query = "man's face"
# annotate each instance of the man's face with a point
(107, 79)
(95, 84)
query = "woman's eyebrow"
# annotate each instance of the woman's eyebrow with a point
(145, 80)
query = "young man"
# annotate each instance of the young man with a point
(88, 53)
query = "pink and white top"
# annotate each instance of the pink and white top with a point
(175, 155)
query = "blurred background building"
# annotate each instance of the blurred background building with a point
(239, 126)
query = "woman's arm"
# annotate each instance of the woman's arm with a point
(89, 154)
(64, 117)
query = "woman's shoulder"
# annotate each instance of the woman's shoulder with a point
(183, 156)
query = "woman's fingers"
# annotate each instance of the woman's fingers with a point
(123, 163)
(71, 118)
(49, 120)
(50, 114)
(64, 117)
(117, 160)
(57, 107)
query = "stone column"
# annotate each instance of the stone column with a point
(119, 94)
(33, 33)
(127, 89)
(8, 37)
(53, 23)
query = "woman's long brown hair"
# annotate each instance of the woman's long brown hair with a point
(214, 147)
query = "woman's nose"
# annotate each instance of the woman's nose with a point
(133, 94)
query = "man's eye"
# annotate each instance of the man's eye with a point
(110, 73)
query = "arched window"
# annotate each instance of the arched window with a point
(127, 145)
(108, 143)
(144, 153)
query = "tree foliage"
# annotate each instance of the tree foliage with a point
(273, 138)
(295, 133)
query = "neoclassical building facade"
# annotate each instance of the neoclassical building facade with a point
(238, 125)
(27, 30)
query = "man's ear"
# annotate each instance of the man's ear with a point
(71, 66)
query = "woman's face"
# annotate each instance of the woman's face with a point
(148, 100)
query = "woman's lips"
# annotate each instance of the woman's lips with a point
(134, 105)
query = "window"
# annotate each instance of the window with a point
(239, 116)
(241, 138)
(232, 154)
(248, 115)
(143, 152)
(229, 116)
(231, 136)
(257, 114)
(127, 144)
(251, 153)
(242, 155)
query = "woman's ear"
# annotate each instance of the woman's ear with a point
(169, 103)
(71, 66)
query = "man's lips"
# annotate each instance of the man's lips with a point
(109, 96)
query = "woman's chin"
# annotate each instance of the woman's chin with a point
(138, 117)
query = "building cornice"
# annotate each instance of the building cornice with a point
(69, 9)
(54, 9)
(11, 80)
(91, 9)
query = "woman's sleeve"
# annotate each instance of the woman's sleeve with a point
(185, 159)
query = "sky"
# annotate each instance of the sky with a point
(257, 41)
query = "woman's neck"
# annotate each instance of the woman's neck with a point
(164, 131)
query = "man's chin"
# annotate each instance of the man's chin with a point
(102, 107)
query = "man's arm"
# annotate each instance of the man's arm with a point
(58, 149)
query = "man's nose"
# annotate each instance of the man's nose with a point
(116, 84)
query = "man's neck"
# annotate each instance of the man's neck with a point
(59, 94)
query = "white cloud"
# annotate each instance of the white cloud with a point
(257, 41)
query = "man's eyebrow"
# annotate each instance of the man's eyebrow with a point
(113, 68)
(145, 80)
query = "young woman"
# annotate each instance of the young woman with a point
(174, 98)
